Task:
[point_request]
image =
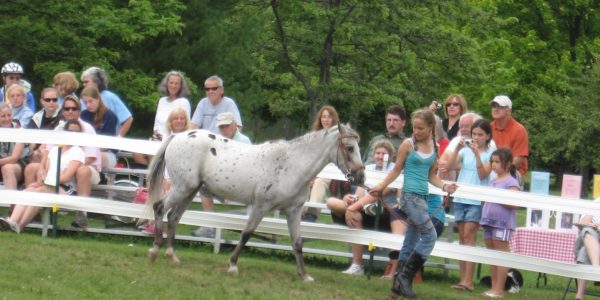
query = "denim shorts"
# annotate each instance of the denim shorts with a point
(496, 234)
(467, 212)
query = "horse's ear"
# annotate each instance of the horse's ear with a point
(342, 129)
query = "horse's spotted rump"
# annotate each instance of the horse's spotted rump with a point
(192, 134)
(268, 187)
(225, 140)
(213, 151)
(212, 136)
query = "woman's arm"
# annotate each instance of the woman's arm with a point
(435, 180)
(483, 169)
(69, 172)
(14, 155)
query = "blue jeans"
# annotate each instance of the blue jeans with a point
(420, 235)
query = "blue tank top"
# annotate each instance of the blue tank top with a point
(416, 173)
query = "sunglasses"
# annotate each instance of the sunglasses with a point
(496, 105)
(50, 99)
(211, 88)
(70, 108)
(455, 104)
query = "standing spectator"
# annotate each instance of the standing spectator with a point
(229, 129)
(497, 220)
(205, 117)
(395, 120)
(454, 107)
(12, 160)
(508, 133)
(473, 157)
(417, 156)
(465, 123)
(97, 77)
(175, 91)
(21, 112)
(72, 158)
(215, 102)
(11, 74)
(102, 119)
(325, 118)
(66, 84)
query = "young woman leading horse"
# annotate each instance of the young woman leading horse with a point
(273, 175)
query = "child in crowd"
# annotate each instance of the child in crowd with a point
(472, 156)
(497, 220)
(418, 157)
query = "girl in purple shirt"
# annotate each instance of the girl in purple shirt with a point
(497, 220)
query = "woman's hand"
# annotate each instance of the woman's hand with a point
(349, 199)
(375, 191)
(353, 218)
(450, 188)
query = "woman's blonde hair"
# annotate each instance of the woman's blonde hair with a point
(174, 113)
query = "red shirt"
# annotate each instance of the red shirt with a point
(513, 136)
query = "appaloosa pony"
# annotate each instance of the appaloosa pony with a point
(273, 175)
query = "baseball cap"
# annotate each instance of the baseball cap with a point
(503, 101)
(225, 118)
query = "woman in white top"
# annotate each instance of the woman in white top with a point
(71, 158)
(587, 246)
(175, 91)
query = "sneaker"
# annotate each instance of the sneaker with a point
(354, 269)
(149, 229)
(7, 223)
(309, 218)
(80, 220)
(206, 232)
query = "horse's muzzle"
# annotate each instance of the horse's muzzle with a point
(356, 177)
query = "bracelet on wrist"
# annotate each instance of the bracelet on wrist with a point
(443, 187)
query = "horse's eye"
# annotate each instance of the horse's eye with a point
(350, 149)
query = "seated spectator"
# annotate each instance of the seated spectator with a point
(587, 246)
(351, 208)
(11, 74)
(21, 112)
(12, 155)
(215, 102)
(65, 84)
(102, 119)
(72, 157)
(46, 118)
(228, 129)
(97, 77)
(175, 91)
(327, 117)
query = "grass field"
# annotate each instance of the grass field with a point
(87, 266)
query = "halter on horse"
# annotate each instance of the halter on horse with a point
(272, 175)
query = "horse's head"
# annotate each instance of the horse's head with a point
(348, 155)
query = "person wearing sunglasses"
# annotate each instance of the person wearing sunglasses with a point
(454, 107)
(21, 112)
(49, 116)
(11, 74)
(72, 158)
(508, 133)
(205, 115)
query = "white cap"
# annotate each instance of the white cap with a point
(225, 118)
(503, 101)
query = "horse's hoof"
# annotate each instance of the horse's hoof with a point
(308, 279)
(233, 269)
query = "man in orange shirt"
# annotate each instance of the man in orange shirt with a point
(508, 133)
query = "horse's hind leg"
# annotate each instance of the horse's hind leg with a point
(159, 212)
(173, 218)
(293, 220)
(256, 215)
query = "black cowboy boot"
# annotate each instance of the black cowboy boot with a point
(403, 282)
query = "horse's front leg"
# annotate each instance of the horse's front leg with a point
(173, 218)
(257, 212)
(159, 212)
(294, 215)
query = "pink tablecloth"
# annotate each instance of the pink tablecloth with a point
(544, 243)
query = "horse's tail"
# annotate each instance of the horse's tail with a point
(156, 172)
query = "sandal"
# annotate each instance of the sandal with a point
(492, 295)
(462, 287)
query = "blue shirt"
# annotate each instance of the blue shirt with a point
(468, 172)
(116, 105)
